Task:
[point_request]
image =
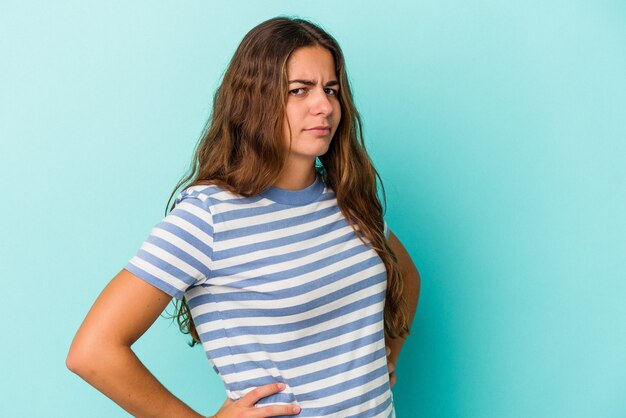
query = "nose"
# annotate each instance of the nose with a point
(320, 103)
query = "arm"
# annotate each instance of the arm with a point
(411, 291)
(101, 353)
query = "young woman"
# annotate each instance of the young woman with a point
(276, 248)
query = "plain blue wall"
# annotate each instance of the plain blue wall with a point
(498, 128)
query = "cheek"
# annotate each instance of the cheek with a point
(286, 130)
(292, 117)
(337, 112)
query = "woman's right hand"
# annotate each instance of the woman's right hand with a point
(245, 407)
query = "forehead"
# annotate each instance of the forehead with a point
(315, 61)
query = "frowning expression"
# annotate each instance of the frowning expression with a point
(313, 111)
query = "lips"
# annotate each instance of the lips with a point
(319, 130)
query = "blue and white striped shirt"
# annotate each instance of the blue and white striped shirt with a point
(280, 289)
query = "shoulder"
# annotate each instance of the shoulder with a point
(211, 198)
(208, 193)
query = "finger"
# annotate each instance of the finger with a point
(388, 350)
(392, 379)
(252, 397)
(391, 367)
(275, 410)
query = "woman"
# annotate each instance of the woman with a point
(286, 271)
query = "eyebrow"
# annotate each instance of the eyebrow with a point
(313, 83)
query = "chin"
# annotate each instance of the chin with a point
(321, 151)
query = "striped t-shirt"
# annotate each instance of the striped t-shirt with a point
(280, 289)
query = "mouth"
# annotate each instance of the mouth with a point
(320, 130)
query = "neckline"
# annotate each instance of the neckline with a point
(295, 197)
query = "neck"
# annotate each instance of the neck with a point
(294, 177)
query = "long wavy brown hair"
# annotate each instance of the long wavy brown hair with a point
(241, 148)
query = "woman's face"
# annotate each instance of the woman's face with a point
(313, 102)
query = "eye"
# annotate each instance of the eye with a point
(331, 91)
(294, 92)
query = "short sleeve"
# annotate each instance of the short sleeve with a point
(177, 253)
(387, 230)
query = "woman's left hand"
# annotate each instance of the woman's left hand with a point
(392, 369)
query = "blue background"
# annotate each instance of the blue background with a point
(499, 130)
